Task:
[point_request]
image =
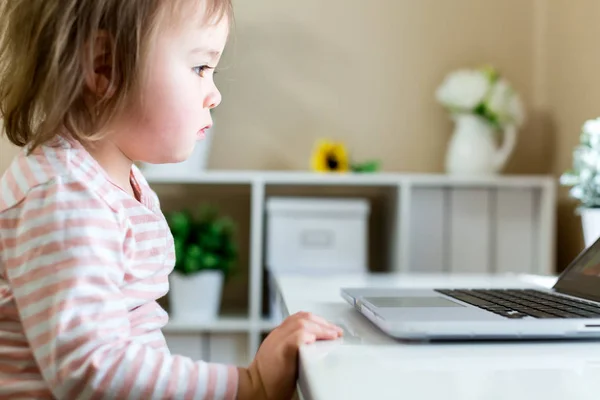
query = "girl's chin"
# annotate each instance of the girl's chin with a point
(171, 153)
(182, 155)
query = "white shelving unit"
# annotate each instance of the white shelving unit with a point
(438, 223)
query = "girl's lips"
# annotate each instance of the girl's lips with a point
(202, 132)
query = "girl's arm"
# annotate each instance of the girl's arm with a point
(65, 272)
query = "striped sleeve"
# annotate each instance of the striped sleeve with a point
(66, 266)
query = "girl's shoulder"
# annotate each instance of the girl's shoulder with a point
(56, 167)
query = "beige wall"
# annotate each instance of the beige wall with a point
(366, 72)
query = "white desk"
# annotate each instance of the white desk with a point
(365, 364)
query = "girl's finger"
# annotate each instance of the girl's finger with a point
(321, 331)
(319, 320)
(304, 337)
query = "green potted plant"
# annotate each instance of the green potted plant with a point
(206, 253)
(584, 179)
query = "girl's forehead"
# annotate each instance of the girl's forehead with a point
(210, 37)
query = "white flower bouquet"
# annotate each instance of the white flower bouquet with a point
(584, 177)
(482, 92)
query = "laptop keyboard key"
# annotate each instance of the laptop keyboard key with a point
(515, 315)
(542, 314)
(472, 300)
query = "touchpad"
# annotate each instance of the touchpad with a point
(408, 302)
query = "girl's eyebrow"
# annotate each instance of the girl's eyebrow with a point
(211, 52)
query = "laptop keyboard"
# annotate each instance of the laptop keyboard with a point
(521, 303)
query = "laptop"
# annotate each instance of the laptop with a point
(569, 310)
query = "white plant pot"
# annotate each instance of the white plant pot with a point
(590, 222)
(196, 162)
(196, 297)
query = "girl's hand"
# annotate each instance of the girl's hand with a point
(274, 369)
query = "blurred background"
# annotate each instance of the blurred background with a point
(366, 74)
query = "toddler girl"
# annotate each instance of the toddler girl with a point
(88, 87)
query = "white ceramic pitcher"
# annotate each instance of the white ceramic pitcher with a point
(472, 149)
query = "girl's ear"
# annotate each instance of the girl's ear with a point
(99, 65)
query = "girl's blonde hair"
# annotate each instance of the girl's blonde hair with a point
(47, 50)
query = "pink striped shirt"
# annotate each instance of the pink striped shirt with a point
(82, 264)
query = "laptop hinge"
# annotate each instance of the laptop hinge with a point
(579, 295)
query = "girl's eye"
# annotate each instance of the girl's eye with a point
(200, 70)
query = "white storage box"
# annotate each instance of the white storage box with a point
(317, 235)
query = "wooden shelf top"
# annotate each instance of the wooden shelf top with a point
(376, 179)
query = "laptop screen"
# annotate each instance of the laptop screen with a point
(582, 276)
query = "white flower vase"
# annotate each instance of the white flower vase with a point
(472, 149)
(196, 163)
(590, 222)
(196, 297)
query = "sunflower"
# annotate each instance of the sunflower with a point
(330, 156)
